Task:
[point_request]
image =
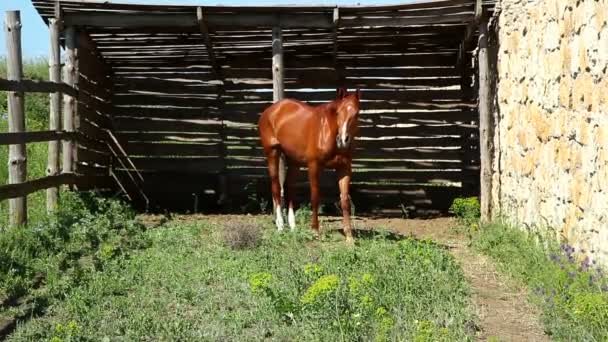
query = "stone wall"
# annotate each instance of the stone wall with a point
(552, 107)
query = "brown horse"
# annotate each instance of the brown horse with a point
(316, 137)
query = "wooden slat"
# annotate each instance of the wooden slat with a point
(170, 136)
(172, 149)
(184, 165)
(147, 125)
(36, 86)
(25, 188)
(33, 137)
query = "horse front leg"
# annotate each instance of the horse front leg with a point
(313, 178)
(344, 177)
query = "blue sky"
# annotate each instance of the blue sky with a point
(35, 34)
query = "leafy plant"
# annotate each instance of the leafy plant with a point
(571, 290)
(467, 210)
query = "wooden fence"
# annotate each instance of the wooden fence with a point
(82, 126)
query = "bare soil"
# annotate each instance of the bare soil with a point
(502, 307)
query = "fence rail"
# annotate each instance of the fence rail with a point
(15, 138)
(23, 189)
(35, 86)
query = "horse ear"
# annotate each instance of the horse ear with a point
(358, 93)
(341, 93)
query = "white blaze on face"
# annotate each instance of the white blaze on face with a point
(291, 218)
(343, 134)
(279, 220)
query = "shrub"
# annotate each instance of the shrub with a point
(467, 210)
(238, 234)
(60, 251)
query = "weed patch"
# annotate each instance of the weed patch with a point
(241, 234)
(43, 262)
(573, 294)
(189, 284)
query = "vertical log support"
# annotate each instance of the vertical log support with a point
(69, 102)
(217, 72)
(53, 166)
(337, 67)
(278, 90)
(486, 128)
(17, 158)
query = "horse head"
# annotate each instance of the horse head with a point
(347, 108)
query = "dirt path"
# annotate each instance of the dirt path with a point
(503, 310)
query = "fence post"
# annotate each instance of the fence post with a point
(69, 102)
(486, 129)
(17, 157)
(278, 88)
(52, 194)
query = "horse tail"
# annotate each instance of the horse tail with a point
(282, 173)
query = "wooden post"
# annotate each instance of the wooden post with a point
(337, 68)
(52, 194)
(278, 86)
(217, 71)
(486, 129)
(277, 64)
(17, 157)
(69, 102)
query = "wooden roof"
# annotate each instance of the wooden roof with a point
(131, 36)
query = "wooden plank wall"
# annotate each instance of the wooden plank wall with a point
(419, 123)
(93, 116)
(418, 127)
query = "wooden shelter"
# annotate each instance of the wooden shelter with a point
(169, 97)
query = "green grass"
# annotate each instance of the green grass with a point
(573, 294)
(189, 285)
(41, 263)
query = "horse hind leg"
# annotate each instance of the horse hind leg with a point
(272, 156)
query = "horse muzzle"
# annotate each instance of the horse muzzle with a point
(343, 144)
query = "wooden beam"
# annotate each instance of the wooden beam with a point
(217, 71)
(17, 155)
(486, 126)
(337, 67)
(204, 27)
(23, 189)
(278, 89)
(469, 32)
(277, 64)
(15, 138)
(53, 164)
(35, 86)
(214, 20)
(232, 21)
(69, 108)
